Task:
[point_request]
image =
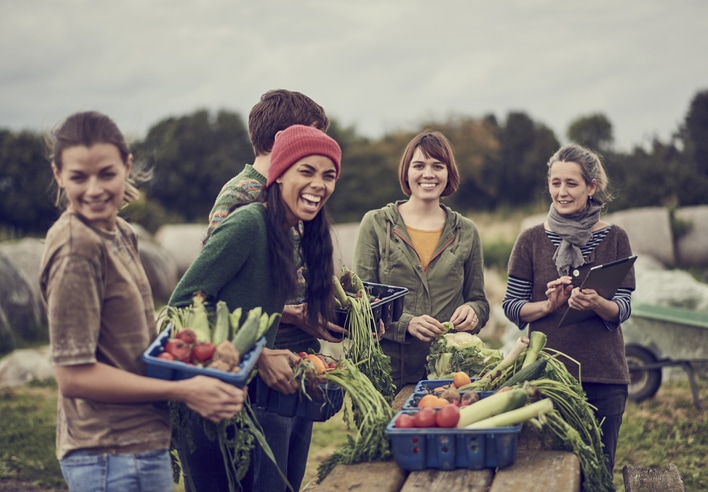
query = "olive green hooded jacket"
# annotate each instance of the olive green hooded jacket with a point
(384, 254)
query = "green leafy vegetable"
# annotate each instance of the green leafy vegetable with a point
(370, 442)
(460, 351)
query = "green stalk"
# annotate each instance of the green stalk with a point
(340, 295)
(537, 341)
(516, 416)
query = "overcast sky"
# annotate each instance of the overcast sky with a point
(376, 65)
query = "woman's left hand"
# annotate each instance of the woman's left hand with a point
(585, 299)
(589, 299)
(465, 319)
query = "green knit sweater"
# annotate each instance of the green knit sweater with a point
(234, 266)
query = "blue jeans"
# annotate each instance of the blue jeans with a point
(289, 439)
(85, 471)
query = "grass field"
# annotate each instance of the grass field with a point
(666, 429)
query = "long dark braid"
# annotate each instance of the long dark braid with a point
(317, 253)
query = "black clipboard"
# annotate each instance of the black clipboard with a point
(605, 279)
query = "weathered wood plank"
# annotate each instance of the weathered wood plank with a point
(401, 397)
(382, 476)
(448, 481)
(638, 479)
(539, 471)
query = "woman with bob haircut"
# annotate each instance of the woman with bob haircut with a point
(425, 246)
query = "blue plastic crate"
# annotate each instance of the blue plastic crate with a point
(447, 449)
(175, 370)
(427, 385)
(297, 404)
(412, 401)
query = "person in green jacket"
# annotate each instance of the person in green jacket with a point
(425, 246)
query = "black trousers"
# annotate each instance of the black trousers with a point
(609, 399)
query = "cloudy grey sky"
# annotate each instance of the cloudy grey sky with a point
(375, 64)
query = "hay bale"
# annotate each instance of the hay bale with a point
(21, 314)
(343, 239)
(160, 268)
(649, 231)
(26, 256)
(691, 247)
(638, 479)
(182, 242)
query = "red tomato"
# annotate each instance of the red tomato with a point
(187, 335)
(203, 351)
(447, 416)
(177, 349)
(425, 417)
(404, 421)
(165, 356)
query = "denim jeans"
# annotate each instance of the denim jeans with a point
(85, 471)
(609, 399)
(289, 439)
(203, 468)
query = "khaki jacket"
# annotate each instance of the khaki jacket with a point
(384, 254)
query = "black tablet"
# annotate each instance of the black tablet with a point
(605, 279)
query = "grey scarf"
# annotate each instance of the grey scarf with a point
(575, 231)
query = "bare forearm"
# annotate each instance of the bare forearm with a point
(532, 311)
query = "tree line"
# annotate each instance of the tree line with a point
(502, 166)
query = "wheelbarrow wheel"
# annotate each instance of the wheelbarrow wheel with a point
(644, 382)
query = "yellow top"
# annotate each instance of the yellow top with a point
(424, 243)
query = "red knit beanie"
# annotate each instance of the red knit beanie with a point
(296, 142)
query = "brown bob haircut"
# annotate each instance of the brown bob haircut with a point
(434, 145)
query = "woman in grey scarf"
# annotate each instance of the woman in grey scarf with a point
(545, 267)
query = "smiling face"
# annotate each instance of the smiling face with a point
(306, 186)
(567, 187)
(94, 180)
(427, 176)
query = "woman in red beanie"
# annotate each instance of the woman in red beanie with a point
(248, 261)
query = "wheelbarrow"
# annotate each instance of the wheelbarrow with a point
(658, 336)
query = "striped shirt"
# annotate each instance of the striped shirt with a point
(518, 291)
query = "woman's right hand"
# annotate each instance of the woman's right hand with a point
(558, 291)
(211, 398)
(425, 327)
(275, 366)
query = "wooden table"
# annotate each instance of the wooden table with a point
(534, 470)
